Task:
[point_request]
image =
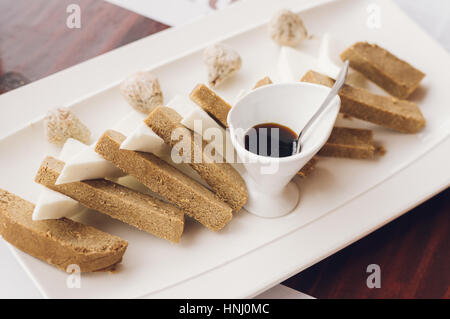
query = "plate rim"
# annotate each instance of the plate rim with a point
(286, 3)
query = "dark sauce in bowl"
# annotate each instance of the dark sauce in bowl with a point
(258, 140)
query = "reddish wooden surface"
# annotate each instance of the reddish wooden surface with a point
(413, 251)
(35, 41)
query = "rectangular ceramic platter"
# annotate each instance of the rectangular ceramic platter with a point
(342, 201)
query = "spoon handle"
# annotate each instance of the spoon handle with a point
(340, 80)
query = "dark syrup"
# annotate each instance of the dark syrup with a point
(264, 144)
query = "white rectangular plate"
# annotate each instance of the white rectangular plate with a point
(251, 254)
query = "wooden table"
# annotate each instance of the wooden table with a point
(413, 251)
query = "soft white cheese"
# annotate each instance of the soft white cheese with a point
(81, 163)
(193, 117)
(325, 63)
(190, 113)
(53, 205)
(87, 165)
(70, 149)
(143, 139)
(197, 120)
(129, 122)
(293, 64)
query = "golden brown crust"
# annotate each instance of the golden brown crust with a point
(131, 207)
(264, 81)
(394, 75)
(162, 178)
(61, 242)
(400, 115)
(221, 177)
(213, 104)
(350, 143)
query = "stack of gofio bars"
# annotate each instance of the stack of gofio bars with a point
(64, 242)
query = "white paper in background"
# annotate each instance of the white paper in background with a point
(433, 16)
(172, 12)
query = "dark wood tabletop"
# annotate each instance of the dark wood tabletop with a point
(412, 251)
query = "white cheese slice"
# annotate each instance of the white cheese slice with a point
(143, 139)
(325, 63)
(83, 163)
(197, 120)
(53, 205)
(193, 117)
(70, 149)
(293, 64)
(129, 122)
(190, 113)
(86, 165)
